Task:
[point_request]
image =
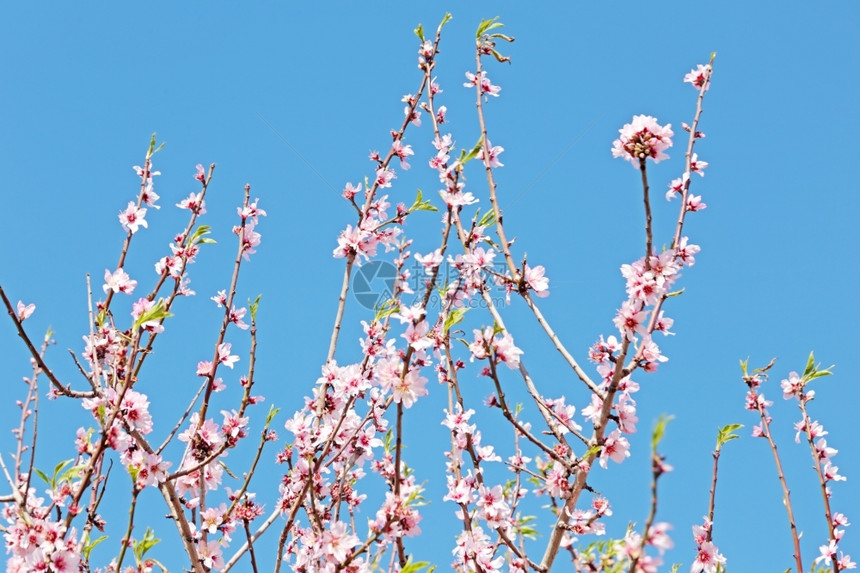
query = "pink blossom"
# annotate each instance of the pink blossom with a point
(225, 357)
(132, 218)
(641, 139)
(839, 520)
(210, 553)
(615, 447)
(828, 553)
(145, 173)
(430, 261)
(556, 483)
(676, 187)
(629, 320)
(792, 387)
(134, 409)
(687, 252)
(220, 299)
(694, 203)
(659, 538)
(410, 388)
(402, 152)
(194, 203)
(357, 241)
(236, 316)
(564, 414)
(250, 239)
(152, 470)
(458, 198)
(337, 542)
(492, 505)
(824, 452)
(118, 281)
(25, 311)
(251, 211)
(626, 409)
(493, 156)
(481, 79)
(384, 177)
(201, 174)
(707, 558)
(699, 77)
(506, 351)
(211, 518)
(149, 196)
(697, 166)
(831, 473)
(350, 190)
(416, 335)
(537, 281)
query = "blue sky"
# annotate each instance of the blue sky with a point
(241, 87)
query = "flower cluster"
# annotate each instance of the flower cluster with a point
(641, 139)
(36, 542)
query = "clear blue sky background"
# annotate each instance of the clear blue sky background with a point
(84, 89)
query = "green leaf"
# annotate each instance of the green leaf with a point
(744, 364)
(454, 317)
(386, 309)
(813, 371)
(445, 19)
(254, 306)
(69, 474)
(525, 528)
(60, 467)
(660, 430)
(157, 312)
(411, 567)
(140, 548)
(90, 545)
(42, 475)
(489, 219)
(419, 31)
(820, 373)
(271, 415)
(199, 236)
(487, 25)
(810, 365)
(472, 154)
(727, 433)
(421, 205)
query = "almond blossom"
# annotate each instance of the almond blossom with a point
(25, 311)
(641, 139)
(118, 281)
(132, 219)
(699, 77)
